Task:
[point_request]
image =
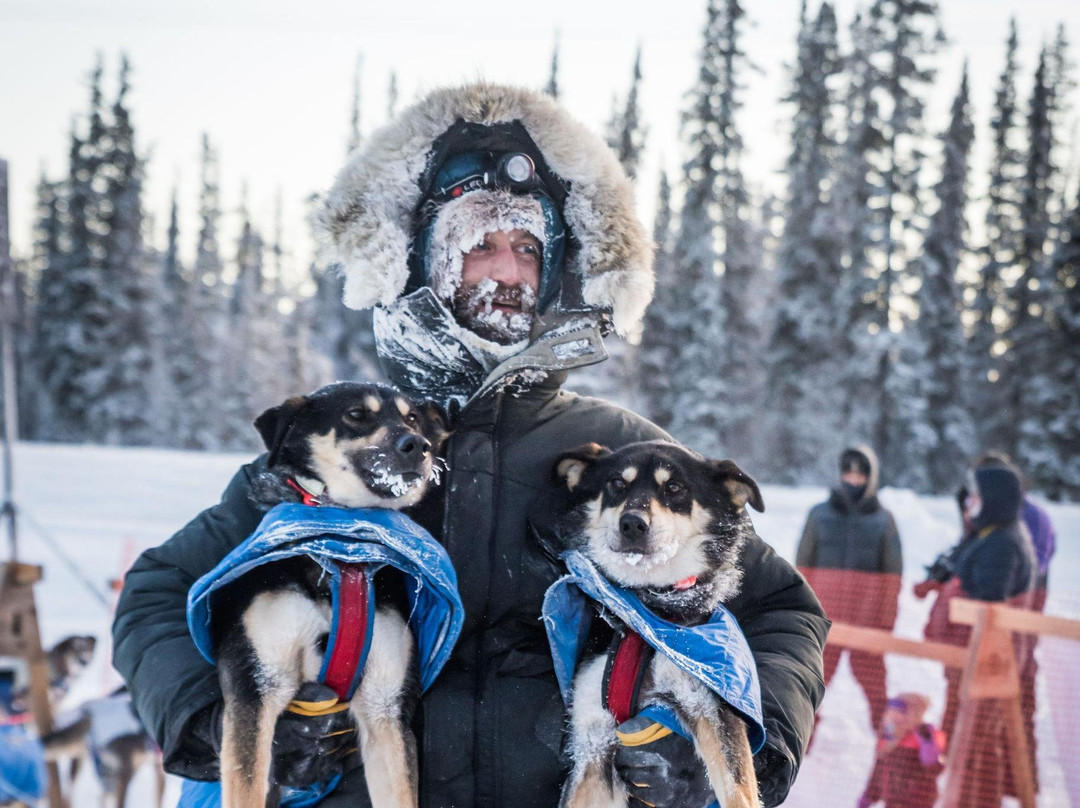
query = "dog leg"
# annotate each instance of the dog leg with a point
(281, 629)
(719, 734)
(592, 782)
(387, 745)
(725, 749)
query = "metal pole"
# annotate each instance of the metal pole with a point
(7, 347)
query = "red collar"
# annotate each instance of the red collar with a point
(306, 497)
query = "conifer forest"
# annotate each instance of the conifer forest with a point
(877, 300)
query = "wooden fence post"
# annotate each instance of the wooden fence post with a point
(20, 636)
(990, 676)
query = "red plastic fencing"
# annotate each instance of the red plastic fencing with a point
(891, 729)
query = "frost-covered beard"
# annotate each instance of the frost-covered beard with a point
(463, 223)
(474, 309)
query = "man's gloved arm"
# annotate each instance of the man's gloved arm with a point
(659, 767)
(314, 740)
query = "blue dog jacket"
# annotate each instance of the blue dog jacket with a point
(333, 536)
(715, 653)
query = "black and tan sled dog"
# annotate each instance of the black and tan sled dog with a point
(668, 525)
(346, 445)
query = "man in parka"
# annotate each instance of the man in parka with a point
(850, 554)
(466, 171)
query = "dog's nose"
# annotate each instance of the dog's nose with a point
(410, 445)
(633, 529)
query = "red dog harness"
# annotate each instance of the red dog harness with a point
(350, 631)
(352, 611)
(626, 665)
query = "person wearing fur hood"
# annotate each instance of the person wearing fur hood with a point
(467, 176)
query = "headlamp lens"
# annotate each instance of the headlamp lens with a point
(518, 168)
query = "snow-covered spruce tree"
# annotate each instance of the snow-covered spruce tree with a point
(45, 276)
(1032, 376)
(353, 143)
(255, 346)
(204, 391)
(801, 404)
(392, 96)
(68, 311)
(934, 343)
(1028, 365)
(903, 35)
(300, 368)
(627, 132)
(552, 86)
(618, 378)
(658, 341)
(712, 377)
(343, 338)
(120, 413)
(1056, 469)
(173, 333)
(858, 196)
(988, 317)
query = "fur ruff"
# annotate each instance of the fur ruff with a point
(365, 220)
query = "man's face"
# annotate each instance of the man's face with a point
(854, 477)
(499, 281)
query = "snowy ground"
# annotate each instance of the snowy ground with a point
(101, 506)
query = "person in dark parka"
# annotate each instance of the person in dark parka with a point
(490, 728)
(993, 562)
(850, 553)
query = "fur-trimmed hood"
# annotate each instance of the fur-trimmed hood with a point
(366, 222)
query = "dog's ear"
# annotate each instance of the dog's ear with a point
(439, 423)
(571, 465)
(275, 423)
(740, 486)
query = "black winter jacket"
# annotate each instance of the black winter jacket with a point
(845, 535)
(998, 561)
(490, 728)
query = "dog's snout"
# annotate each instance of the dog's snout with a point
(412, 445)
(633, 528)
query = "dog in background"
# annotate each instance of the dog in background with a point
(348, 445)
(669, 526)
(111, 735)
(65, 662)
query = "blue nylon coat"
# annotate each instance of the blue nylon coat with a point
(715, 653)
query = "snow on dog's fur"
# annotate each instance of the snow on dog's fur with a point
(668, 525)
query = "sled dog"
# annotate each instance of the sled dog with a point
(346, 445)
(111, 735)
(668, 525)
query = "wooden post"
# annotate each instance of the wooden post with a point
(990, 674)
(20, 636)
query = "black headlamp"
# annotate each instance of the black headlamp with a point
(470, 171)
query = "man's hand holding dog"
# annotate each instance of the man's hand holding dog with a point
(660, 769)
(314, 740)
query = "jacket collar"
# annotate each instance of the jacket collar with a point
(422, 351)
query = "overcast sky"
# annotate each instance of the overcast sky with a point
(270, 80)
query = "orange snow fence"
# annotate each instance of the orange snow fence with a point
(981, 704)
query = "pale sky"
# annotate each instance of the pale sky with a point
(271, 80)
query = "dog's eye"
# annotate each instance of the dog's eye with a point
(672, 487)
(410, 419)
(617, 484)
(356, 414)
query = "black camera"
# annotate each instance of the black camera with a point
(941, 570)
